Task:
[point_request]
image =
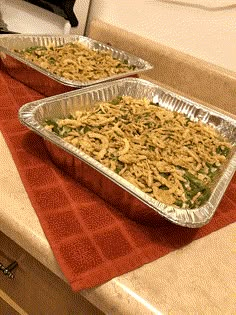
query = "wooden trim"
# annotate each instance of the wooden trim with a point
(6, 298)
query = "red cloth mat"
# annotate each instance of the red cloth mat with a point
(91, 241)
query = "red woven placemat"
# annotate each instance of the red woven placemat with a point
(92, 241)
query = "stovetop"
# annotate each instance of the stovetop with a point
(2, 31)
(3, 27)
(22, 16)
(63, 8)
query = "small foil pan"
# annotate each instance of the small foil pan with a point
(130, 200)
(46, 82)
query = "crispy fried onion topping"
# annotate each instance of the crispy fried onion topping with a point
(75, 61)
(163, 153)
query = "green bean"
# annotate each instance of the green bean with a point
(222, 150)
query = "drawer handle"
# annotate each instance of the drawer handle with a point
(7, 270)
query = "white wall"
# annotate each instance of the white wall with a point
(206, 33)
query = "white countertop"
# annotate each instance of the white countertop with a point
(197, 279)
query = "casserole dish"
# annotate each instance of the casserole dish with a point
(45, 81)
(109, 185)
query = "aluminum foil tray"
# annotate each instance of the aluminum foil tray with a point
(46, 82)
(110, 186)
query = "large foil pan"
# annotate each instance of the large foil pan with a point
(46, 82)
(107, 184)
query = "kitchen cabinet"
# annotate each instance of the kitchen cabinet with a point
(34, 289)
(5, 308)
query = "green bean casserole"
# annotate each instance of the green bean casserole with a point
(163, 153)
(74, 61)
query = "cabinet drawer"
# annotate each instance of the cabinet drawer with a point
(6, 308)
(35, 288)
